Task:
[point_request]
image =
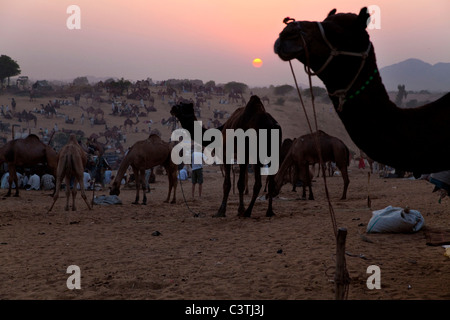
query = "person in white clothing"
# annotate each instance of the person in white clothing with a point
(34, 183)
(86, 181)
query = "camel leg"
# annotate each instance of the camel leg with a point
(246, 180)
(226, 192)
(12, 178)
(271, 184)
(142, 183)
(56, 193)
(311, 196)
(83, 193)
(256, 188)
(74, 195)
(136, 179)
(241, 188)
(172, 176)
(304, 191)
(344, 173)
(16, 181)
(10, 182)
(67, 180)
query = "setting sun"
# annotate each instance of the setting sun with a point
(257, 63)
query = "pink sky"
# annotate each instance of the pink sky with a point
(198, 39)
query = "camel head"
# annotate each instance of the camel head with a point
(114, 190)
(325, 45)
(184, 112)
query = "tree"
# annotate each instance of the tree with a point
(121, 84)
(235, 87)
(81, 81)
(8, 68)
(282, 90)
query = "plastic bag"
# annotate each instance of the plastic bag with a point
(395, 220)
(107, 200)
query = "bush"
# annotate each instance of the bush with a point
(282, 90)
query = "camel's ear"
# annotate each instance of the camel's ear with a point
(332, 12)
(363, 18)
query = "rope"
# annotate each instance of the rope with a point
(196, 214)
(316, 140)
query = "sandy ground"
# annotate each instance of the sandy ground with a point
(290, 256)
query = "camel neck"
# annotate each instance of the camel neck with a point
(367, 107)
(122, 169)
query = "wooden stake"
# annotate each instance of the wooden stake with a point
(341, 278)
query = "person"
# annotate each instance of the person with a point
(34, 183)
(86, 180)
(4, 181)
(197, 171)
(108, 177)
(47, 182)
(361, 164)
(182, 174)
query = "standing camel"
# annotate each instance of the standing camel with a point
(303, 152)
(26, 152)
(252, 116)
(339, 51)
(71, 163)
(146, 154)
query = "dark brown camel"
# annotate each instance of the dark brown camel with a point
(129, 122)
(412, 139)
(146, 154)
(25, 152)
(252, 116)
(303, 153)
(71, 163)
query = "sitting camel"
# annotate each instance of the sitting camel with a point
(71, 163)
(146, 154)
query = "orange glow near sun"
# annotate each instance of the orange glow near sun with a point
(257, 63)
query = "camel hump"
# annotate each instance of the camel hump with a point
(32, 136)
(154, 137)
(253, 107)
(73, 138)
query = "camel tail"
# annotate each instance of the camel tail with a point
(68, 164)
(347, 154)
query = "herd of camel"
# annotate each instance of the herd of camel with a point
(406, 139)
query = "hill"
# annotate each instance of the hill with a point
(417, 75)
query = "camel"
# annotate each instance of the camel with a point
(303, 153)
(27, 117)
(90, 110)
(339, 51)
(49, 110)
(252, 116)
(71, 163)
(25, 152)
(146, 154)
(129, 122)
